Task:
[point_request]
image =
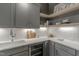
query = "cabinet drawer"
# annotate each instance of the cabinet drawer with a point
(13, 51)
(65, 48)
(25, 53)
(59, 52)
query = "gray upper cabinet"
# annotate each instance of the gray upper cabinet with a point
(5, 15)
(19, 15)
(22, 15)
(34, 16)
(27, 15)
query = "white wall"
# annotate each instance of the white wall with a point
(70, 33)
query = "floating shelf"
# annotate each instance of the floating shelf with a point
(64, 25)
(62, 12)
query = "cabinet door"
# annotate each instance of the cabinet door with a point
(51, 48)
(46, 48)
(65, 48)
(5, 15)
(25, 53)
(22, 15)
(77, 52)
(59, 52)
(34, 16)
(27, 15)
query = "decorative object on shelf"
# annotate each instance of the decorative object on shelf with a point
(66, 21)
(58, 23)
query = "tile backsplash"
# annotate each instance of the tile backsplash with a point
(5, 34)
(70, 33)
(20, 33)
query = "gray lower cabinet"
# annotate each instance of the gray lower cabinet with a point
(35, 49)
(77, 52)
(51, 48)
(24, 53)
(27, 15)
(59, 52)
(46, 48)
(5, 15)
(18, 51)
(57, 49)
(64, 50)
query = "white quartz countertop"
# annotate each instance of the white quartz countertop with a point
(9, 45)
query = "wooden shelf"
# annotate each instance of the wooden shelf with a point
(62, 12)
(64, 25)
(65, 11)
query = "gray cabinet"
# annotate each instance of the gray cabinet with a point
(24, 53)
(27, 15)
(59, 52)
(64, 50)
(77, 52)
(34, 16)
(15, 51)
(46, 48)
(5, 15)
(51, 48)
(19, 15)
